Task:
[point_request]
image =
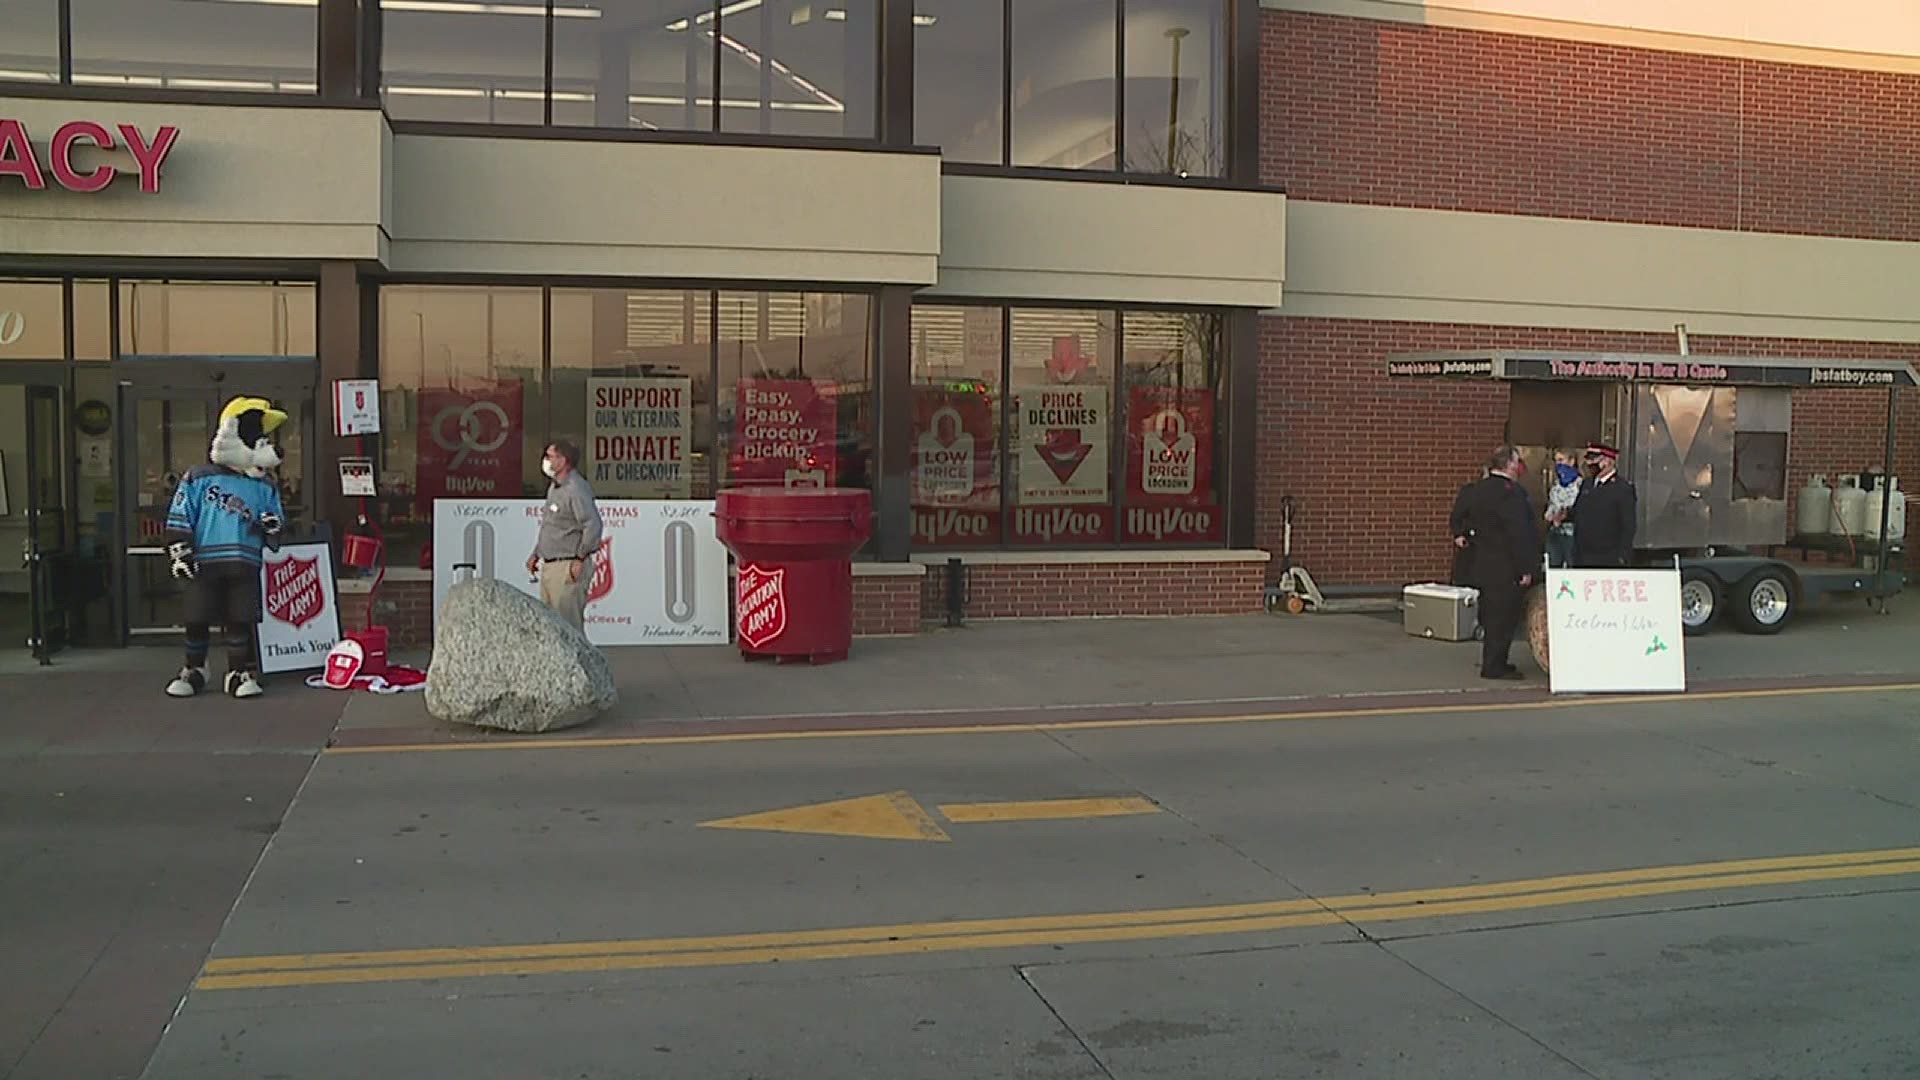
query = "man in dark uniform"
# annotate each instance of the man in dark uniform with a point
(1605, 516)
(1503, 555)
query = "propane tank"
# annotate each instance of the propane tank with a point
(1896, 504)
(1816, 507)
(1851, 505)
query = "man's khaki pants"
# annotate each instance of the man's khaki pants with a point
(567, 598)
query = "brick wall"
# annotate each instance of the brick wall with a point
(1362, 111)
(404, 607)
(1374, 462)
(886, 604)
(1080, 589)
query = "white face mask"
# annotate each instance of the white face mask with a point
(546, 466)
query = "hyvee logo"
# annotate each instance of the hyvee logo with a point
(18, 157)
(945, 524)
(293, 591)
(1057, 522)
(1165, 522)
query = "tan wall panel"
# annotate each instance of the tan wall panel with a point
(1874, 35)
(1053, 239)
(663, 210)
(1370, 262)
(254, 183)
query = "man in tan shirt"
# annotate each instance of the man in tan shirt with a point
(570, 529)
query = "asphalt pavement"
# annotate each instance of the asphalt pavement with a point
(1224, 847)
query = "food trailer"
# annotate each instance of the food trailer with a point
(1704, 441)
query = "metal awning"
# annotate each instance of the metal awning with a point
(1654, 368)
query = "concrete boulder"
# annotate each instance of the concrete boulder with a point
(502, 660)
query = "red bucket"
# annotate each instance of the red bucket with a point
(361, 552)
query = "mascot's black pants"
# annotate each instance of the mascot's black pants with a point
(227, 593)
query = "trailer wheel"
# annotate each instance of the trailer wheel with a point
(1764, 602)
(1700, 601)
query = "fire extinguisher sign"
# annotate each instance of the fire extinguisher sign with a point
(356, 407)
(1170, 495)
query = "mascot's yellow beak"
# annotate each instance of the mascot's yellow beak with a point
(270, 417)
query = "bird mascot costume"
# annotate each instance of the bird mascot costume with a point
(221, 517)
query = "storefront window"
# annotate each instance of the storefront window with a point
(1067, 98)
(796, 389)
(92, 320)
(635, 66)
(1060, 363)
(462, 406)
(260, 47)
(797, 67)
(774, 67)
(1176, 87)
(31, 49)
(1040, 442)
(474, 63)
(1174, 375)
(633, 388)
(1063, 83)
(32, 321)
(216, 319)
(956, 426)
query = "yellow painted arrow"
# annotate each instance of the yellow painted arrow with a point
(896, 816)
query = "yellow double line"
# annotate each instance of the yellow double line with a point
(261, 972)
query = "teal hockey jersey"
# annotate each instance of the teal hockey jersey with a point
(218, 510)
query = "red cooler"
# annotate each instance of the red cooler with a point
(793, 598)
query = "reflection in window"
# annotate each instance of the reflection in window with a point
(32, 321)
(30, 49)
(796, 389)
(1063, 83)
(475, 63)
(1060, 433)
(958, 69)
(1175, 372)
(174, 318)
(635, 66)
(240, 46)
(956, 426)
(462, 409)
(1176, 87)
(92, 320)
(632, 386)
(797, 67)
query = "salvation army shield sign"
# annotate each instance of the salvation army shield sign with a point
(300, 609)
(762, 601)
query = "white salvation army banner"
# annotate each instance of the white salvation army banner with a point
(300, 607)
(1615, 630)
(660, 577)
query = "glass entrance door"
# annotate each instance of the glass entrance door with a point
(167, 433)
(48, 553)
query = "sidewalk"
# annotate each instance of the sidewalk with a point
(1069, 665)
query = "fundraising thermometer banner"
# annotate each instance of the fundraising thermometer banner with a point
(1615, 631)
(660, 577)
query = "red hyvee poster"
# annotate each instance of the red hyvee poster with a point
(784, 433)
(468, 443)
(1170, 493)
(956, 469)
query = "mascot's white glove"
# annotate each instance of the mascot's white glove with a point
(181, 552)
(270, 526)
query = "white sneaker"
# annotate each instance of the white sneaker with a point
(189, 682)
(244, 684)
